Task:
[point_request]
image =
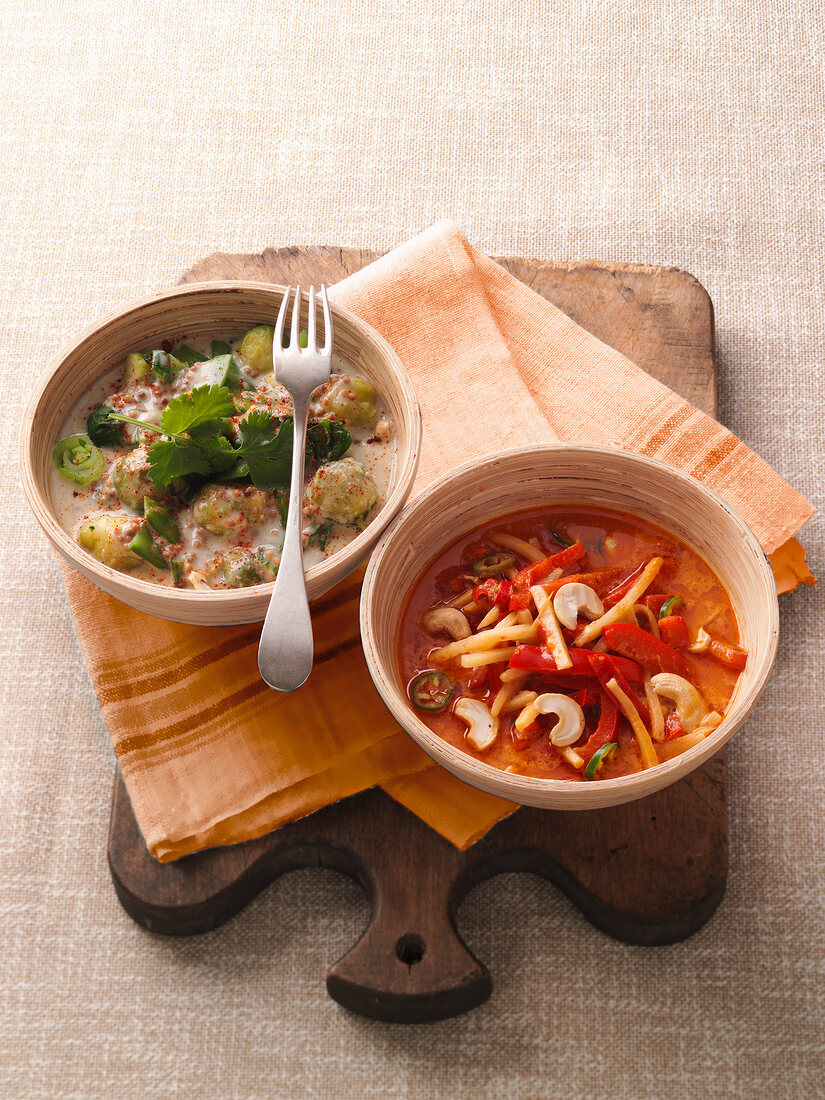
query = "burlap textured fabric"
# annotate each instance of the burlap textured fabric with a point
(138, 138)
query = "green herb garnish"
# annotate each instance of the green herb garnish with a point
(102, 429)
(327, 440)
(193, 424)
(321, 535)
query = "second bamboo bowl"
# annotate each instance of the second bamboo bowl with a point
(526, 478)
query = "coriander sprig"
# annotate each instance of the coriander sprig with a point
(192, 425)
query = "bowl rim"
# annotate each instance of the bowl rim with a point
(343, 562)
(514, 786)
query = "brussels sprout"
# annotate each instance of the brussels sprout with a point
(132, 482)
(224, 508)
(137, 367)
(256, 349)
(101, 537)
(352, 400)
(241, 567)
(342, 491)
(268, 561)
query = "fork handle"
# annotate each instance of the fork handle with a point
(285, 655)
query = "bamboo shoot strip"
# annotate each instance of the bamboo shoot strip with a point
(616, 613)
(646, 749)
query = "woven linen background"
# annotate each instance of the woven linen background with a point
(138, 137)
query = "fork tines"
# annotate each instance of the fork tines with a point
(294, 338)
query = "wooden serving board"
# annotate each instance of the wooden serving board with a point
(650, 872)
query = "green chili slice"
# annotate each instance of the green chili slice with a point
(166, 366)
(560, 538)
(145, 548)
(177, 572)
(493, 564)
(188, 355)
(162, 519)
(78, 459)
(594, 765)
(668, 606)
(431, 691)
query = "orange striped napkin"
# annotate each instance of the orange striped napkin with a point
(209, 755)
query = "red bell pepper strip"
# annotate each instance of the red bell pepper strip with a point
(674, 631)
(621, 590)
(519, 601)
(598, 580)
(730, 655)
(636, 644)
(605, 668)
(538, 570)
(655, 601)
(493, 591)
(673, 727)
(587, 697)
(605, 731)
(532, 658)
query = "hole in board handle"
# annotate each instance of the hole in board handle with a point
(410, 949)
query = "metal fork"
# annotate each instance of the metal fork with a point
(285, 651)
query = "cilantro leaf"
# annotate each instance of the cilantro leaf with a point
(268, 456)
(221, 454)
(169, 459)
(102, 429)
(327, 440)
(196, 409)
(282, 504)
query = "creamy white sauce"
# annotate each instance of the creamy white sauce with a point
(74, 505)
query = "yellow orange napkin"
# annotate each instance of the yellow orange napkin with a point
(209, 755)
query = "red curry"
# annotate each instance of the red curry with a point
(570, 643)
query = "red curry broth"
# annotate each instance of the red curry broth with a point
(610, 540)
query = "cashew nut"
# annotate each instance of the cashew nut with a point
(702, 643)
(446, 620)
(570, 725)
(573, 598)
(483, 728)
(690, 706)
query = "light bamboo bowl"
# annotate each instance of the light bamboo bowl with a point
(527, 478)
(203, 309)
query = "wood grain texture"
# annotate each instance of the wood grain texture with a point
(647, 872)
(660, 317)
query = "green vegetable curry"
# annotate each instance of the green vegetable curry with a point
(177, 465)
